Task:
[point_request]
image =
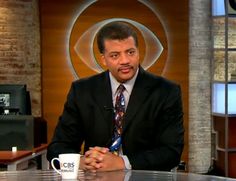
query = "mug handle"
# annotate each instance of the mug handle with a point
(52, 163)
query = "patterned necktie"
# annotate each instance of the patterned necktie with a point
(118, 119)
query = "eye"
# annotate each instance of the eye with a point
(131, 52)
(114, 56)
(84, 45)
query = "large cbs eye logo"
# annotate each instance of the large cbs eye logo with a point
(83, 53)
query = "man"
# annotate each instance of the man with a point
(151, 134)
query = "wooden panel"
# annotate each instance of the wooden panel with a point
(59, 18)
(232, 132)
(226, 158)
(232, 161)
(219, 127)
(220, 163)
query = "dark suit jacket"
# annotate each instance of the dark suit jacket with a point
(153, 130)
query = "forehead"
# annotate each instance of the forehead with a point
(119, 44)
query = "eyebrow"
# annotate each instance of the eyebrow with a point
(125, 50)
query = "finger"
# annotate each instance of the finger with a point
(93, 166)
(89, 160)
(97, 158)
(95, 155)
(90, 152)
(90, 168)
(94, 150)
(99, 149)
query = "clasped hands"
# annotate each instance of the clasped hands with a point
(100, 159)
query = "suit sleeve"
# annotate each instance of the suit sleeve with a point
(68, 135)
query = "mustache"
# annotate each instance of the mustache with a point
(125, 67)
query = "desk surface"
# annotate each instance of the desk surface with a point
(9, 156)
(135, 175)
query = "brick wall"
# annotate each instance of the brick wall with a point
(199, 86)
(20, 47)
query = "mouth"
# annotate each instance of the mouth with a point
(125, 69)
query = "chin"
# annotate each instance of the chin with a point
(126, 78)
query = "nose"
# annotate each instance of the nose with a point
(124, 59)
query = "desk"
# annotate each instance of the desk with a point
(135, 175)
(19, 160)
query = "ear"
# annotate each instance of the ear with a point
(103, 60)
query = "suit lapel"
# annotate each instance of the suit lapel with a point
(139, 93)
(103, 97)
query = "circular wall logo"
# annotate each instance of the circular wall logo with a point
(92, 15)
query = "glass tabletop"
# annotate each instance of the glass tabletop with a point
(133, 175)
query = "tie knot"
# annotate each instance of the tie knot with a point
(121, 88)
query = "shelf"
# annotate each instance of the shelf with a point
(223, 82)
(223, 16)
(228, 150)
(224, 115)
(223, 49)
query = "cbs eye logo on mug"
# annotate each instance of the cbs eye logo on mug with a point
(68, 167)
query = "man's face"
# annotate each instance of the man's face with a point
(121, 58)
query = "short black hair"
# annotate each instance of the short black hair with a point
(115, 30)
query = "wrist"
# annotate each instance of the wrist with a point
(121, 165)
(81, 163)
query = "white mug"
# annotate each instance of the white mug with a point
(69, 165)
